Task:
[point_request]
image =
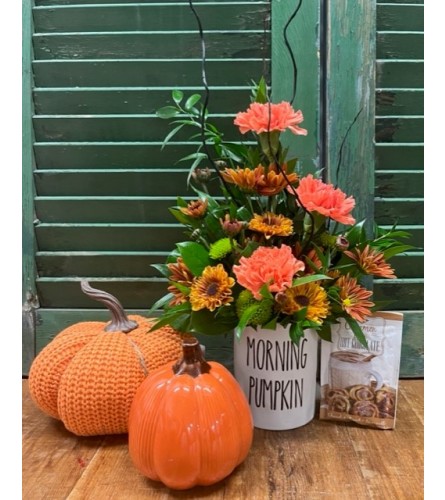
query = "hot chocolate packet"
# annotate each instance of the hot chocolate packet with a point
(359, 384)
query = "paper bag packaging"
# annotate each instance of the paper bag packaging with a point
(359, 384)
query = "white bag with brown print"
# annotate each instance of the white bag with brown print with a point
(359, 384)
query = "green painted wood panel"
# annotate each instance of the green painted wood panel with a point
(399, 45)
(137, 293)
(400, 74)
(149, 17)
(122, 182)
(399, 102)
(142, 2)
(110, 237)
(399, 129)
(81, 209)
(29, 296)
(304, 39)
(349, 109)
(399, 156)
(111, 128)
(401, 210)
(130, 45)
(393, 17)
(401, 294)
(177, 72)
(145, 100)
(399, 183)
(99, 264)
(61, 155)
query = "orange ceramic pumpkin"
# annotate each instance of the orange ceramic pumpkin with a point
(190, 423)
(88, 374)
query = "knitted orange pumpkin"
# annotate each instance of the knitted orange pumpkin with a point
(88, 374)
(190, 423)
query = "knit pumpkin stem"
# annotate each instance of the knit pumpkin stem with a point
(192, 362)
(119, 319)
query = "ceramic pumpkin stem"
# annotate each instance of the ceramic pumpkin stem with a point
(192, 362)
(119, 321)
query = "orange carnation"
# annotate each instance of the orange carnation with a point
(270, 117)
(316, 196)
(271, 266)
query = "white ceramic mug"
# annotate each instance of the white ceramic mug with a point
(347, 368)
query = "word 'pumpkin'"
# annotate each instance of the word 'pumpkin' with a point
(88, 374)
(190, 423)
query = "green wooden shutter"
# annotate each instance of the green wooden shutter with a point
(399, 160)
(103, 185)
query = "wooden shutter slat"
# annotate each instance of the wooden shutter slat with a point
(99, 264)
(399, 74)
(148, 17)
(110, 155)
(399, 45)
(109, 237)
(232, 44)
(133, 292)
(131, 209)
(399, 129)
(399, 102)
(128, 100)
(399, 156)
(170, 182)
(117, 128)
(398, 17)
(397, 183)
(400, 210)
(145, 72)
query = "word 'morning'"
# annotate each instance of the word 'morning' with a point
(278, 355)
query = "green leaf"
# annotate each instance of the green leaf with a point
(265, 292)
(159, 304)
(245, 318)
(170, 135)
(195, 256)
(185, 290)
(205, 322)
(162, 268)
(309, 279)
(296, 332)
(325, 332)
(177, 95)
(355, 327)
(395, 250)
(167, 112)
(191, 101)
(271, 324)
(183, 218)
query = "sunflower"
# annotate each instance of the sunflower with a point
(354, 298)
(309, 295)
(372, 262)
(212, 289)
(182, 275)
(271, 224)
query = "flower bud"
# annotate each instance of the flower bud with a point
(231, 227)
(341, 243)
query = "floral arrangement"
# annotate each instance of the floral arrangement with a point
(270, 245)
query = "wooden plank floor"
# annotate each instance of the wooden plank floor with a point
(322, 460)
